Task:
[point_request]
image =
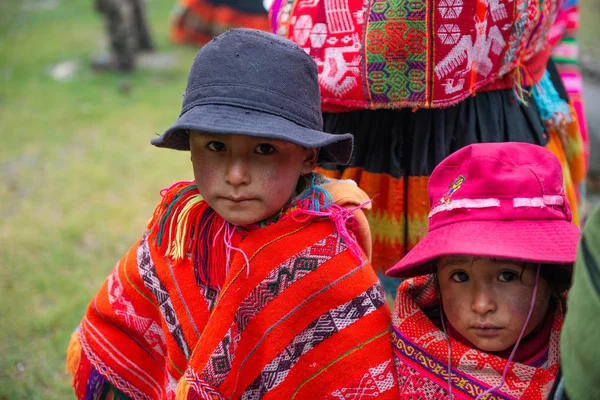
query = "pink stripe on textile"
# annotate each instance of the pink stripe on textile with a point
(556, 32)
(573, 84)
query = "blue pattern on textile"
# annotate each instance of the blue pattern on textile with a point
(551, 107)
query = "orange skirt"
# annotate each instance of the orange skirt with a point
(198, 21)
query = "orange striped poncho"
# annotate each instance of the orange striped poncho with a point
(295, 314)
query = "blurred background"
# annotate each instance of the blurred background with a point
(78, 178)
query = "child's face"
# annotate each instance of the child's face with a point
(247, 179)
(487, 300)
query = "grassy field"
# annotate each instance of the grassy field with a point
(78, 179)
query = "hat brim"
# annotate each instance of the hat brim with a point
(226, 119)
(538, 241)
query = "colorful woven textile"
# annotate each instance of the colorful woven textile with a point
(565, 53)
(421, 351)
(426, 54)
(297, 313)
(198, 21)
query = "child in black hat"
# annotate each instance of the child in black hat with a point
(248, 282)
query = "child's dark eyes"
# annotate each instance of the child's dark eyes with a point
(265, 148)
(215, 146)
(507, 276)
(459, 277)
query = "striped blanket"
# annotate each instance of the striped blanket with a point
(298, 313)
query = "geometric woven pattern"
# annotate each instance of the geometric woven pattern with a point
(319, 330)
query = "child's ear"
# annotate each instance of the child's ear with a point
(310, 160)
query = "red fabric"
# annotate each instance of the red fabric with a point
(418, 54)
(259, 345)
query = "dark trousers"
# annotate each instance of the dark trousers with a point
(127, 28)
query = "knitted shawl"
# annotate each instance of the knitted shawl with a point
(421, 355)
(200, 309)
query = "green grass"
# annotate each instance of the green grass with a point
(78, 179)
(589, 29)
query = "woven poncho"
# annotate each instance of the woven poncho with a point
(292, 312)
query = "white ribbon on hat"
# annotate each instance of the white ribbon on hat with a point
(538, 202)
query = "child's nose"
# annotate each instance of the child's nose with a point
(237, 173)
(483, 300)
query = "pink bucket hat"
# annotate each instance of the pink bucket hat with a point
(503, 200)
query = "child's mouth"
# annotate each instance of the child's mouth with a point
(485, 329)
(238, 199)
(486, 332)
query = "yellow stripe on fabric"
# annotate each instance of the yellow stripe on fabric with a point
(386, 228)
(175, 366)
(574, 147)
(360, 346)
(417, 228)
(133, 284)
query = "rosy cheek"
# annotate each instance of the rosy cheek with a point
(518, 304)
(269, 178)
(277, 180)
(452, 306)
(205, 174)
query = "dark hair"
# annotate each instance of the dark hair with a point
(558, 276)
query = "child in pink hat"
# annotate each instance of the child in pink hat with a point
(480, 316)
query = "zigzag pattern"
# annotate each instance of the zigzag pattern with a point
(210, 294)
(285, 274)
(290, 271)
(386, 229)
(202, 389)
(371, 385)
(147, 271)
(417, 228)
(322, 328)
(220, 362)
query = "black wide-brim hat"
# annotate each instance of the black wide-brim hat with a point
(249, 82)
